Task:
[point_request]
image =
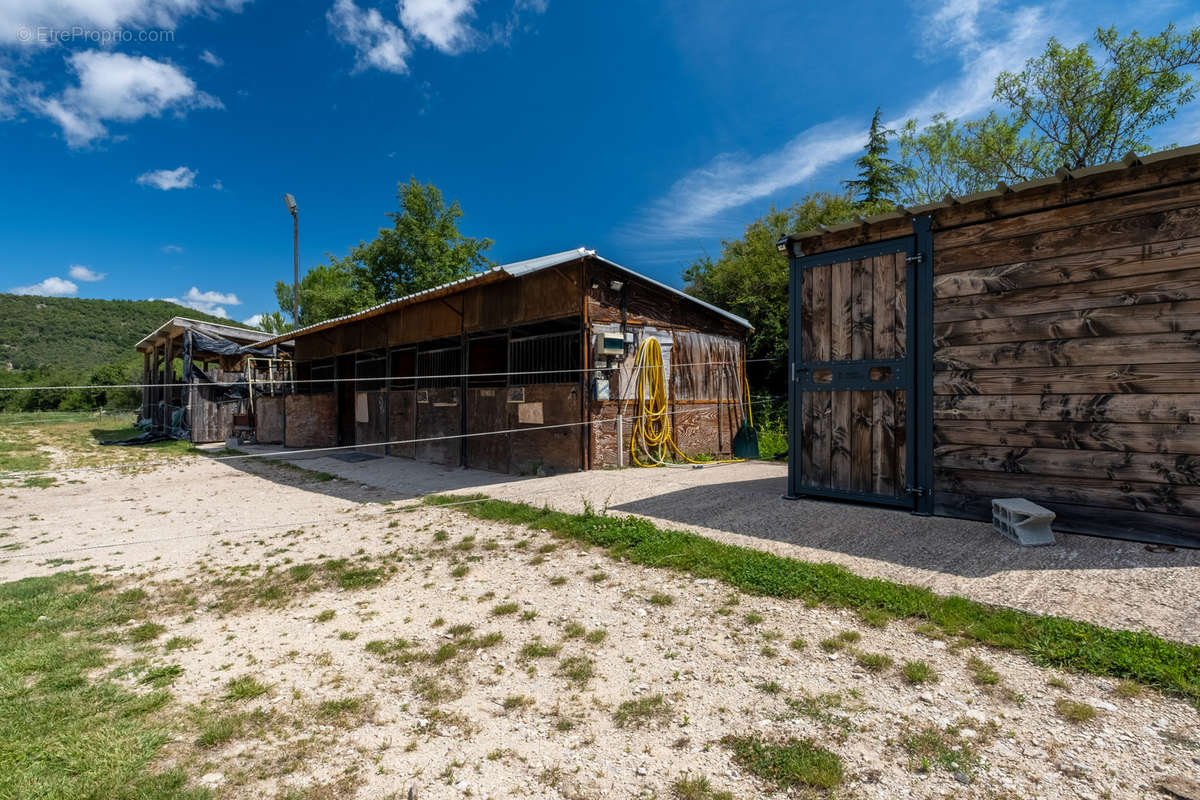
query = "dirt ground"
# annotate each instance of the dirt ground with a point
(392, 677)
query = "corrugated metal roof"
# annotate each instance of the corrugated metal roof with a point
(513, 270)
(1063, 174)
(178, 324)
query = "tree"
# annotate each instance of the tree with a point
(750, 277)
(878, 176)
(326, 291)
(274, 321)
(422, 249)
(1093, 114)
(1062, 109)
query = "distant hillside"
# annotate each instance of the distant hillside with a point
(64, 334)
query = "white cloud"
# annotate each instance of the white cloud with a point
(172, 248)
(120, 88)
(51, 287)
(377, 42)
(705, 201)
(81, 273)
(444, 24)
(211, 58)
(209, 302)
(220, 187)
(20, 19)
(167, 179)
(254, 321)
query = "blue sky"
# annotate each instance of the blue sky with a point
(146, 144)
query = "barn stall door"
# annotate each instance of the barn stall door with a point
(853, 318)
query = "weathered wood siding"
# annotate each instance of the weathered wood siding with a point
(311, 420)
(370, 427)
(1067, 364)
(268, 420)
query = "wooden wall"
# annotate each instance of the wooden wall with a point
(1067, 364)
(1067, 348)
(311, 420)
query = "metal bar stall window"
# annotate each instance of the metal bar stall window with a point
(534, 360)
(436, 364)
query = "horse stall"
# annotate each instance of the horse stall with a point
(1038, 341)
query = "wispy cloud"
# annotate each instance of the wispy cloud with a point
(50, 287)
(254, 320)
(211, 58)
(985, 39)
(81, 273)
(167, 179)
(444, 24)
(172, 249)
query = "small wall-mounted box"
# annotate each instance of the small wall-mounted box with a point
(610, 344)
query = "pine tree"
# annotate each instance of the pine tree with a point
(879, 177)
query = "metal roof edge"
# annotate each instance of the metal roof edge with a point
(248, 333)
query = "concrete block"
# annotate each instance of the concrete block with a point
(1023, 521)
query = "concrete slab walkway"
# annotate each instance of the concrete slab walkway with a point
(1112, 583)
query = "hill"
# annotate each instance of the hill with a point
(65, 333)
(64, 340)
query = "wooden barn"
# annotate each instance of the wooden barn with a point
(208, 382)
(523, 368)
(1039, 340)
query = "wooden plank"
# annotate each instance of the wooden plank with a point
(1161, 498)
(840, 312)
(883, 444)
(1142, 379)
(860, 441)
(1094, 265)
(1133, 290)
(822, 331)
(900, 270)
(1076, 407)
(822, 436)
(883, 306)
(1161, 348)
(1181, 223)
(839, 445)
(808, 420)
(1139, 526)
(1150, 468)
(1128, 205)
(1138, 437)
(861, 299)
(1114, 321)
(901, 442)
(807, 317)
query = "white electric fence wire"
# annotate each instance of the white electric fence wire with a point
(692, 409)
(377, 379)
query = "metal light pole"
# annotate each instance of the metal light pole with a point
(291, 204)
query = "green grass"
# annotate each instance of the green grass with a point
(697, 787)
(504, 609)
(62, 734)
(873, 662)
(578, 670)
(642, 711)
(942, 747)
(539, 649)
(1048, 641)
(917, 672)
(245, 687)
(793, 762)
(146, 632)
(983, 674)
(1074, 711)
(660, 599)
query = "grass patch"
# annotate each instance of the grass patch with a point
(1048, 641)
(945, 748)
(1128, 689)
(917, 672)
(983, 674)
(504, 609)
(1074, 711)
(698, 787)
(515, 702)
(63, 735)
(158, 677)
(659, 599)
(539, 649)
(793, 762)
(873, 662)
(325, 615)
(147, 632)
(642, 711)
(577, 669)
(180, 643)
(245, 687)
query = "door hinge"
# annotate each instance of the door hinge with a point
(917, 259)
(917, 490)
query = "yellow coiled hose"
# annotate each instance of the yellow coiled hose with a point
(652, 425)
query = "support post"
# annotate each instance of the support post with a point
(923, 233)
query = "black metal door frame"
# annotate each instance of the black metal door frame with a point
(913, 374)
